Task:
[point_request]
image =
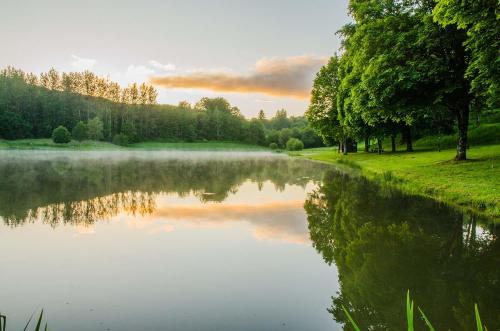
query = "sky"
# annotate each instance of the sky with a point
(260, 54)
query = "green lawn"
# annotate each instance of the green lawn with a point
(40, 144)
(473, 184)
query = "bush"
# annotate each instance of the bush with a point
(273, 146)
(61, 135)
(294, 144)
(79, 132)
(120, 139)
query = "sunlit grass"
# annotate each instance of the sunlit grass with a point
(472, 184)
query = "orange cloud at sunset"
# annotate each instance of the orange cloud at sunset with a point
(291, 76)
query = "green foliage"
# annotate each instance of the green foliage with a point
(284, 136)
(30, 111)
(95, 129)
(129, 130)
(61, 135)
(480, 21)
(294, 144)
(121, 139)
(273, 146)
(322, 112)
(79, 132)
(255, 132)
(13, 126)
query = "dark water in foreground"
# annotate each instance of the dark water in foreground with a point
(228, 241)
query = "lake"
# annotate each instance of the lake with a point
(231, 241)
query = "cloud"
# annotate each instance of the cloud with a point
(161, 66)
(291, 76)
(81, 63)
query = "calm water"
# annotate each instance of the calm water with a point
(229, 241)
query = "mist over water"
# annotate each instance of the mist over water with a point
(229, 241)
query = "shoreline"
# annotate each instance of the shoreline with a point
(468, 185)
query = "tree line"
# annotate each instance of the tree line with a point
(409, 67)
(89, 107)
(87, 83)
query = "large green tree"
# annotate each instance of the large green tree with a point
(402, 65)
(480, 20)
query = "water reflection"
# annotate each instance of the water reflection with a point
(222, 241)
(66, 188)
(153, 241)
(384, 243)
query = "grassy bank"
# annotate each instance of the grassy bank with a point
(473, 184)
(48, 144)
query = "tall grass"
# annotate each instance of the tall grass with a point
(410, 320)
(38, 326)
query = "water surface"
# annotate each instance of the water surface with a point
(230, 241)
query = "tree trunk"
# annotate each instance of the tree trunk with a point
(463, 124)
(345, 146)
(340, 147)
(379, 144)
(393, 143)
(407, 137)
(367, 143)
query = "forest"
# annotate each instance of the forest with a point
(86, 106)
(409, 68)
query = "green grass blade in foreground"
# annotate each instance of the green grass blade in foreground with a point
(354, 325)
(426, 320)
(38, 324)
(478, 318)
(409, 311)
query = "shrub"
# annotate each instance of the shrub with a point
(273, 146)
(79, 132)
(294, 144)
(61, 135)
(120, 139)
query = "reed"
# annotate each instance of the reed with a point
(410, 321)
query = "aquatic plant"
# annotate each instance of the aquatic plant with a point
(38, 327)
(409, 317)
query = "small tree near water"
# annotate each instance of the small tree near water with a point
(61, 135)
(294, 144)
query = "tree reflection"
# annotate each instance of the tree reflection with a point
(85, 190)
(384, 242)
